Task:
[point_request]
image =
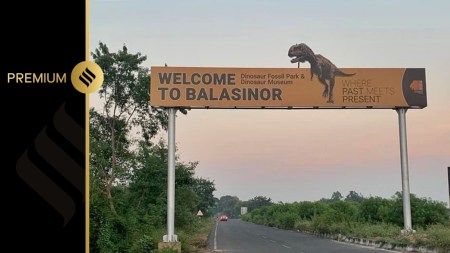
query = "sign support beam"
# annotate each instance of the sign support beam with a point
(171, 236)
(405, 174)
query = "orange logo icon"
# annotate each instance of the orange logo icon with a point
(416, 86)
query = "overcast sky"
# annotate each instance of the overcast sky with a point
(295, 155)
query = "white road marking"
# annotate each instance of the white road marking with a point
(215, 236)
(285, 246)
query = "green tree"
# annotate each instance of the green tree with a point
(204, 189)
(128, 172)
(148, 183)
(336, 196)
(103, 167)
(257, 202)
(122, 117)
(148, 186)
(229, 205)
(186, 203)
(125, 96)
(354, 196)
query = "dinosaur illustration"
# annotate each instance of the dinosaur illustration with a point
(325, 70)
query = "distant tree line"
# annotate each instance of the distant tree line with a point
(231, 205)
(351, 196)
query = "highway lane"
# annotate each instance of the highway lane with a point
(236, 235)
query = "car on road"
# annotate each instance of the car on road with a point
(223, 218)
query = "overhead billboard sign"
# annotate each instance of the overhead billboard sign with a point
(221, 87)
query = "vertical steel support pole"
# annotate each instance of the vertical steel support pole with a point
(171, 237)
(405, 174)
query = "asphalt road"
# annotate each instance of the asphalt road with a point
(239, 236)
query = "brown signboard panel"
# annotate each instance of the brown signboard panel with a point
(217, 87)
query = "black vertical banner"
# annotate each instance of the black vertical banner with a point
(43, 133)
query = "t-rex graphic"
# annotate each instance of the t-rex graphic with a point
(321, 66)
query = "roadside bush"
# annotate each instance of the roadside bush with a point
(286, 220)
(374, 209)
(307, 209)
(375, 231)
(437, 236)
(113, 235)
(424, 212)
(304, 225)
(373, 218)
(321, 223)
(344, 210)
(143, 245)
